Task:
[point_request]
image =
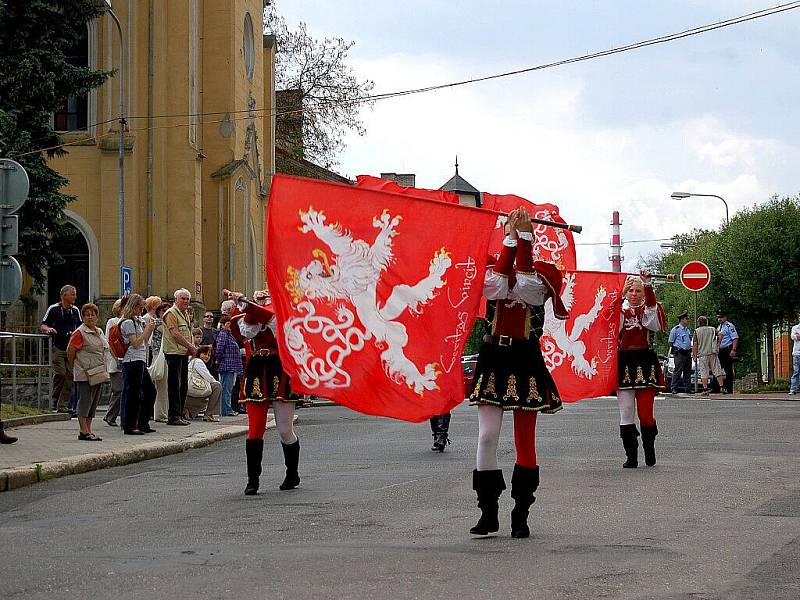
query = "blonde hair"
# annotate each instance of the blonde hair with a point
(134, 300)
(629, 281)
(152, 303)
(116, 308)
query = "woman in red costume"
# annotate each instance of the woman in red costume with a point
(639, 375)
(511, 374)
(265, 385)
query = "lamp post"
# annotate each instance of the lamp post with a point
(121, 144)
(684, 195)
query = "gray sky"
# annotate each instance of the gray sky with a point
(715, 113)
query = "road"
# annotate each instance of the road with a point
(380, 516)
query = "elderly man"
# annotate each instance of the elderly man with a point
(178, 346)
(680, 343)
(59, 322)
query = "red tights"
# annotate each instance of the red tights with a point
(644, 406)
(256, 419)
(525, 437)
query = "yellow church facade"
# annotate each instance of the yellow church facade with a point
(199, 152)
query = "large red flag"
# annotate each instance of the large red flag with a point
(385, 185)
(581, 352)
(550, 245)
(375, 294)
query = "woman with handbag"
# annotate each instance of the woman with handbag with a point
(140, 393)
(158, 365)
(86, 354)
(204, 391)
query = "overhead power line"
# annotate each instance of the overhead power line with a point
(766, 12)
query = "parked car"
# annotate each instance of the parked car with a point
(668, 365)
(468, 363)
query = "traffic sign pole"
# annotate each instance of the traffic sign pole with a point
(695, 277)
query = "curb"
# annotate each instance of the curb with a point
(17, 477)
(35, 419)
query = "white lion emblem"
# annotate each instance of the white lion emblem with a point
(353, 272)
(569, 345)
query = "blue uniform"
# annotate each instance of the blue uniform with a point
(729, 334)
(680, 337)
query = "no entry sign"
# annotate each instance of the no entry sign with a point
(695, 276)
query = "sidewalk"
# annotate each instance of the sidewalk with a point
(49, 450)
(774, 396)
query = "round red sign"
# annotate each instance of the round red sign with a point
(695, 275)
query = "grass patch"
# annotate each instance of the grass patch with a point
(6, 411)
(780, 385)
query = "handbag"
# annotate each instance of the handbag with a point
(97, 375)
(198, 387)
(158, 368)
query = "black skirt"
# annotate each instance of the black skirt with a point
(265, 380)
(639, 369)
(514, 378)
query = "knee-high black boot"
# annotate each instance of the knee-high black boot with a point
(488, 485)
(648, 444)
(254, 450)
(291, 456)
(524, 482)
(629, 433)
(440, 426)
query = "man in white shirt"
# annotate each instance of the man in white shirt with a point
(795, 359)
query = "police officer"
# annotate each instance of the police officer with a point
(680, 342)
(729, 342)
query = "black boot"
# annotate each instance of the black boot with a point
(440, 425)
(648, 444)
(291, 456)
(4, 437)
(488, 485)
(524, 482)
(254, 450)
(629, 433)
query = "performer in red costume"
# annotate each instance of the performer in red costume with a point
(265, 384)
(511, 374)
(639, 375)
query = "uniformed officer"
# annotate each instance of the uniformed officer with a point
(680, 343)
(729, 342)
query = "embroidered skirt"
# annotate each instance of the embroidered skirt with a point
(266, 381)
(638, 369)
(514, 378)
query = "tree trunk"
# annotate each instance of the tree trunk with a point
(759, 370)
(770, 353)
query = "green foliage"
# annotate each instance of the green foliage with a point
(780, 385)
(475, 339)
(35, 39)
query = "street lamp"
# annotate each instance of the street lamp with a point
(684, 195)
(121, 144)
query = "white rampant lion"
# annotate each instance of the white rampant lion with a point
(353, 273)
(569, 345)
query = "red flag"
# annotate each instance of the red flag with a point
(375, 294)
(581, 352)
(384, 185)
(550, 245)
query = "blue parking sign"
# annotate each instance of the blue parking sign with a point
(125, 280)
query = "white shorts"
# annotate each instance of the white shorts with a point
(710, 363)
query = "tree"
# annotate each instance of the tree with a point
(326, 92)
(35, 39)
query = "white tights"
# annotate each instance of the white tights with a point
(627, 406)
(284, 421)
(490, 420)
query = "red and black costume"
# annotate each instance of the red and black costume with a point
(265, 384)
(511, 375)
(639, 376)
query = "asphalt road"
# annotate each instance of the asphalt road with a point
(380, 516)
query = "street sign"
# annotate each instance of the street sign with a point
(695, 276)
(9, 235)
(125, 280)
(14, 186)
(10, 281)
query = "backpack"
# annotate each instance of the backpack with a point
(116, 341)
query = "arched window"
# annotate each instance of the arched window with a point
(248, 47)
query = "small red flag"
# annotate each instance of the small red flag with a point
(550, 244)
(375, 294)
(581, 352)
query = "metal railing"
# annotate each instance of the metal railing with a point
(25, 347)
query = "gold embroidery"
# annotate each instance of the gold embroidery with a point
(627, 378)
(533, 394)
(639, 375)
(276, 386)
(511, 390)
(477, 389)
(653, 374)
(490, 386)
(527, 322)
(256, 392)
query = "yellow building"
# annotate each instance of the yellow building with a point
(195, 187)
